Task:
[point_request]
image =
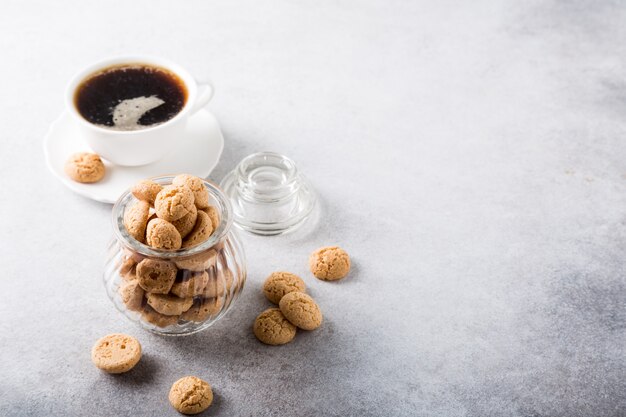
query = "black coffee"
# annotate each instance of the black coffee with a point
(130, 97)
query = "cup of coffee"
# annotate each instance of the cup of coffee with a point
(132, 110)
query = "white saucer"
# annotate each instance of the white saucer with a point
(197, 153)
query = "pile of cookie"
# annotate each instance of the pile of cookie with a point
(171, 217)
(277, 326)
(189, 288)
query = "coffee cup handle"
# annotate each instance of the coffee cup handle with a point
(205, 94)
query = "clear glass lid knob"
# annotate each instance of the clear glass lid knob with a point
(268, 194)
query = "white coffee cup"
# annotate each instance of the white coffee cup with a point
(142, 146)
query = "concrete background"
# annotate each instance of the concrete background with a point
(469, 155)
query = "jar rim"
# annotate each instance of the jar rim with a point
(122, 235)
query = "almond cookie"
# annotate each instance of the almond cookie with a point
(201, 231)
(169, 304)
(198, 262)
(218, 284)
(156, 318)
(272, 328)
(329, 263)
(173, 202)
(146, 190)
(190, 283)
(161, 234)
(127, 268)
(132, 294)
(191, 395)
(202, 309)
(156, 276)
(301, 310)
(196, 185)
(213, 215)
(116, 353)
(280, 283)
(85, 167)
(185, 224)
(136, 219)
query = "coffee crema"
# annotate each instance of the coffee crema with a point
(130, 96)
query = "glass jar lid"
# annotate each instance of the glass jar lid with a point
(268, 194)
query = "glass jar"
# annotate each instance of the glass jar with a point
(212, 273)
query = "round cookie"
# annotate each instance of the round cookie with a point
(146, 190)
(330, 263)
(173, 202)
(156, 318)
(213, 215)
(116, 353)
(132, 294)
(185, 224)
(169, 305)
(198, 262)
(190, 395)
(202, 309)
(161, 234)
(127, 268)
(301, 310)
(201, 231)
(85, 167)
(191, 284)
(280, 283)
(272, 328)
(156, 276)
(136, 219)
(196, 185)
(217, 285)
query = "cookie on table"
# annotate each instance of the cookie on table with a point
(169, 305)
(116, 353)
(185, 224)
(154, 317)
(85, 167)
(161, 234)
(189, 283)
(301, 310)
(196, 185)
(146, 190)
(136, 219)
(272, 328)
(201, 231)
(191, 395)
(330, 263)
(156, 276)
(202, 309)
(280, 283)
(173, 202)
(132, 295)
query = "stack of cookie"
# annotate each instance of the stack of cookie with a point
(187, 288)
(172, 217)
(277, 326)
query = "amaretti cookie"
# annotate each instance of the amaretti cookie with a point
(329, 263)
(202, 309)
(196, 185)
(146, 190)
(301, 310)
(201, 231)
(272, 328)
(156, 276)
(136, 220)
(198, 262)
(173, 202)
(169, 305)
(85, 167)
(116, 353)
(185, 224)
(213, 215)
(191, 395)
(161, 234)
(154, 317)
(190, 284)
(280, 283)
(132, 294)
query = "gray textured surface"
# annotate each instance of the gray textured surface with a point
(469, 155)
